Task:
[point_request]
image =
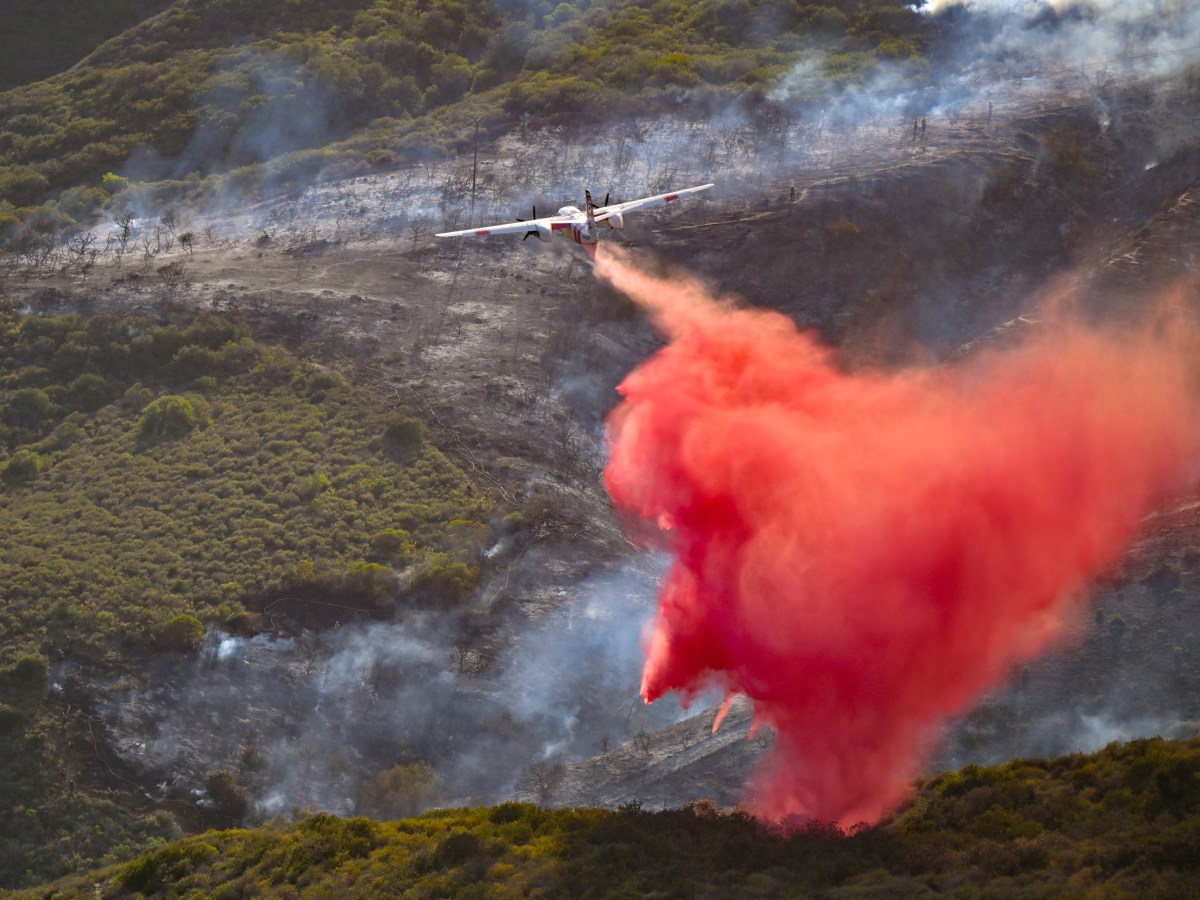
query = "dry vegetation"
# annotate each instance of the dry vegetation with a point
(1123, 822)
(168, 468)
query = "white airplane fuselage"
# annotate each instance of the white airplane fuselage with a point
(579, 225)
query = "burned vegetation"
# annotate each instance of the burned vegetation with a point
(304, 509)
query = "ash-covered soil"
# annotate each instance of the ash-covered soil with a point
(898, 248)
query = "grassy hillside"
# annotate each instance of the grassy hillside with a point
(154, 472)
(43, 37)
(212, 86)
(1121, 822)
(156, 481)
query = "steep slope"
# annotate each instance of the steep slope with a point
(161, 481)
(1125, 820)
(898, 249)
(209, 86)
(510, 353)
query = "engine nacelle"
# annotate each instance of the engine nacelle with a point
(543, 232)
(615, 220)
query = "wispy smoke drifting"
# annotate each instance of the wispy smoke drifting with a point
(324, 713)
(1153, 36)
(864, 554)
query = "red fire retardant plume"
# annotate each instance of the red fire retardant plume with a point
(864, 554)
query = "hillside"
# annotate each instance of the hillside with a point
(127, 443)
(209, 87)
(1124, 821)
(509, 357)
(306, 505)
(160, 481)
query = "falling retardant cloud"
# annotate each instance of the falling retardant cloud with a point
(864, 554)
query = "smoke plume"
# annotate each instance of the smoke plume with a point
(864, 554)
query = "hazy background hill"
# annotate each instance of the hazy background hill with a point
(43, 37)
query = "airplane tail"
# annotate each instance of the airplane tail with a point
(591, 209)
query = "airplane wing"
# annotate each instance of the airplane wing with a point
(513, 227)
(645, 202)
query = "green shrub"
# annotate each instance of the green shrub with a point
(183, 633)
(212, 332)
(456, 850)
(167, 418)
(400, 792)
(373, 581)
(147, 874)
(244, 623)
(317, 382)
(113, 183)
(311, 486)
(11, 720)
(30, 673)
(28, 408)
(393, 546)
(445, 582)
(403, 437)
(137, 397)
(22, 468)
(89, 392)
(194, 361)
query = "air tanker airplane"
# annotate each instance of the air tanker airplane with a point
(581, 226)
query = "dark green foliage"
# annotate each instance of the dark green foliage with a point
(149, 873)
(89, 392)
(393, 546)
(167, 417)
(22, 468)
(402, 791)
(323, 840)
(11, 721)
(1052, 837)
(403, 437)
(30, 674)
(456, 850)
(183, 633)
(28, 408)
(445, 582)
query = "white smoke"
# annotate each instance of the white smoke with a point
(323, 713)
(1146, 37)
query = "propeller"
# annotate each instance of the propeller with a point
(528, 233)
(592, 204)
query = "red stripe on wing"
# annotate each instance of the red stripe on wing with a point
(482, 232)
(670, 197)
